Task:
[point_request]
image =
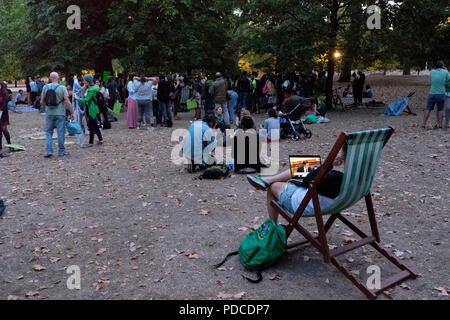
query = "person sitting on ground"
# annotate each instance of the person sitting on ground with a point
(221, 120)
(199, 138)
(11, 104)
(290, 196)
(19, 98)
(347, 93)
(368, 93)
(272, 125)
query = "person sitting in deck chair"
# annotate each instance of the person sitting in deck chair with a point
(290, 196)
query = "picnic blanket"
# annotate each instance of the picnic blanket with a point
(396, 108)
(25, 109)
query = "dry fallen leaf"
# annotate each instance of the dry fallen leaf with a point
(101, 251)
(38, 267)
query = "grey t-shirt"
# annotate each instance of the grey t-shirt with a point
(61, 93)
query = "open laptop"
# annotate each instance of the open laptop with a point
(301, 166)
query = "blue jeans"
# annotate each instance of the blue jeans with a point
(144, 106)
(58, 122)
(242, 101)
(164, 110)
(231, 106)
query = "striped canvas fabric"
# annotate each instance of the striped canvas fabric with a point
(363, 154)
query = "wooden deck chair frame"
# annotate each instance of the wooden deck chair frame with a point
(320, 242)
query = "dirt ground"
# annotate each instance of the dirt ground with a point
(140, 227)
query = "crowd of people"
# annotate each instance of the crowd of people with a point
(154, 101)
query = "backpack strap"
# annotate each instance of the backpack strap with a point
(226, 258)
(260, 277)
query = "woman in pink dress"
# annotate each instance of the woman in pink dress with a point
(132, 112)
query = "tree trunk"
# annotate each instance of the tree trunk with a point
(406, 68)
(346, 72)
(334, 26)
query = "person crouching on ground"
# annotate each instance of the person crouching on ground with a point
(92, 109)
(290, 196)
(199, 138)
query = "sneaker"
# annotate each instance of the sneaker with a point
(87, 146)
(258, 183)
(65, 154)
(138, 128)
(100, 142)
(3, 155)
(48, 156)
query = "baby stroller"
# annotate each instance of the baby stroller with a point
(292, 129)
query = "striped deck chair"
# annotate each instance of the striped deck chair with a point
(363, 154)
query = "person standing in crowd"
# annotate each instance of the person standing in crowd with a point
(4, 117)
(176, 97)
(232, 103)
(164, 90)
(155, 104)
(33, 90)
(102, 104)
(113, 94)
(92, 109)
(54, 101)
(271, 92)
(357, 88)
(132, 111)
(439, 78)
(28, 88)
(209, 107)
(219, 93)
(447, 104)
(243, 86)
(144, 95)
(79, 109)
(253, 96)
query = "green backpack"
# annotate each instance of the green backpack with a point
(261, 248)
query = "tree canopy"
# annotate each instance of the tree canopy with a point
(206, 36)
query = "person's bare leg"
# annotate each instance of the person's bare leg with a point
(440, 118)
(426, 116)
(284, 176)
(273, 194)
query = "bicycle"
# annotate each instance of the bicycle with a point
(337, 101)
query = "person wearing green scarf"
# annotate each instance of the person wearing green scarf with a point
(90, 100)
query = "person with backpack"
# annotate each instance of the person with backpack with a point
(103, 107)
(92, 109)
(54, 101)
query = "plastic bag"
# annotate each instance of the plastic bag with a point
(74, 128)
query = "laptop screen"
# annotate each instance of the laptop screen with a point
(301, 166)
